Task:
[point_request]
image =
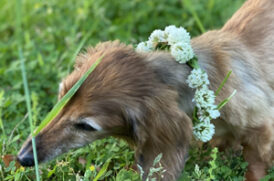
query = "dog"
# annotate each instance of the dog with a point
(144, 98)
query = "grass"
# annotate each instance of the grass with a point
(26, 89)
(52, 33)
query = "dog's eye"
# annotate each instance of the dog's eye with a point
(84, 126)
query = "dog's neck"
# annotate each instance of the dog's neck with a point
(214, 51)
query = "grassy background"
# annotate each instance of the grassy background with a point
(52, 33)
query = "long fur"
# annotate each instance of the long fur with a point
(144, 98)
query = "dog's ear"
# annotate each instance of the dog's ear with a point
(159, 126)
(135, 123)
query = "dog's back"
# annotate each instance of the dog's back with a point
(254, 24)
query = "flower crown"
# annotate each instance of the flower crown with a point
(177, 42)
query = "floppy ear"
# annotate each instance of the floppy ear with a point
(135, 120)
(160, 127)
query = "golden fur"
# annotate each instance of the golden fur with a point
(144, 98)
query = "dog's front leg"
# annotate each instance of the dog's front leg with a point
(256, 166)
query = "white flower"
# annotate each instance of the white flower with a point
(204, 131)
(197, 78)
(176, 35)
(157, 36)
(204, 97)
(210, 112)
(170, 28)
(144, 47)
(182, 52)
(214, 113)
(204, 119)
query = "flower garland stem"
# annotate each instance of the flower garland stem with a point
(193, 63)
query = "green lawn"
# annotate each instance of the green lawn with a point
(53, 32)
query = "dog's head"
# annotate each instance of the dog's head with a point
(122, 97)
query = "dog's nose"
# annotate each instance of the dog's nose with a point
(26, 159)
(25, 156)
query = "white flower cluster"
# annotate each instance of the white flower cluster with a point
(197, 78)
(144, 47)
(177, 41)
(204, 131)
(177, 38)
(204, 99)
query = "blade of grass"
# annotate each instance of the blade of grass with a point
(24, 77)
(194, 14)
(210, 5)
(88, 160)
(223, 83)
(224, 102)
(59, 106)
(34, 100)
(103, 170)
(27, 97)
(81, 44)
(1, 121)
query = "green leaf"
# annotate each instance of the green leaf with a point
(102, 171)
(51, 172)
(127, 175)
(212, 164)
(59, 106)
